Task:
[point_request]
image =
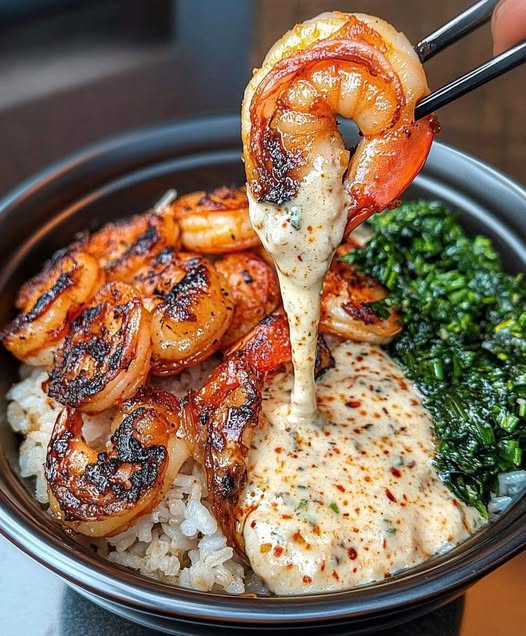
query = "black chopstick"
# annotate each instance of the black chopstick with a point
(468, 82)
(455, 29)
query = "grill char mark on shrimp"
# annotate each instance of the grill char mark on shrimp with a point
(345, 305)
(123, 247)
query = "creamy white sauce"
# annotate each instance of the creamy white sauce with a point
(354, 498)
(301, 237)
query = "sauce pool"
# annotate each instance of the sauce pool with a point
(354, 498)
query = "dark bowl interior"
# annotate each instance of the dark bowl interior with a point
(127, 175)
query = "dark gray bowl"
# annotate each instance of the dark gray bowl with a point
(127, 175)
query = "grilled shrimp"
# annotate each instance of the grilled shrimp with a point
(354, 65)
(124, 247)
(103, 493)
(190, 309)
(106, 355)
(255, 292)
(215, 222)
(344, 305)
(305, 191)
(48, 302)
(224, 414)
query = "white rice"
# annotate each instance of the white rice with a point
(179, 542)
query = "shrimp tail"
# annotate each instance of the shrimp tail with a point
(372, 186)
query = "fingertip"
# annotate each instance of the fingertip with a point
(508, 24)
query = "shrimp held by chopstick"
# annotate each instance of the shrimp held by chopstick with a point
(353, 65)
(305, 191)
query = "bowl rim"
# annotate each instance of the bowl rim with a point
(132, 590)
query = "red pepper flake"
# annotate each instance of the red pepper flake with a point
(307, 579)
(359, 358)
(278, 551)
(395, 472)
(286, 516)
(352, 554)
(353, 404)
(298, 538)
(322, 567)
(253, 523)
(367, 478)
(390, 495)
(335, 575)
(278, 450)
(340, 487)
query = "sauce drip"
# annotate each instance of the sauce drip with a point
(301, 236)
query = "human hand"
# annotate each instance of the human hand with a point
(508, 25)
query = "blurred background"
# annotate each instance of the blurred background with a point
(75, 71)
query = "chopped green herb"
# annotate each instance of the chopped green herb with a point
(463, 342)
(296, 217)
(334, 507)
(303, 503)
